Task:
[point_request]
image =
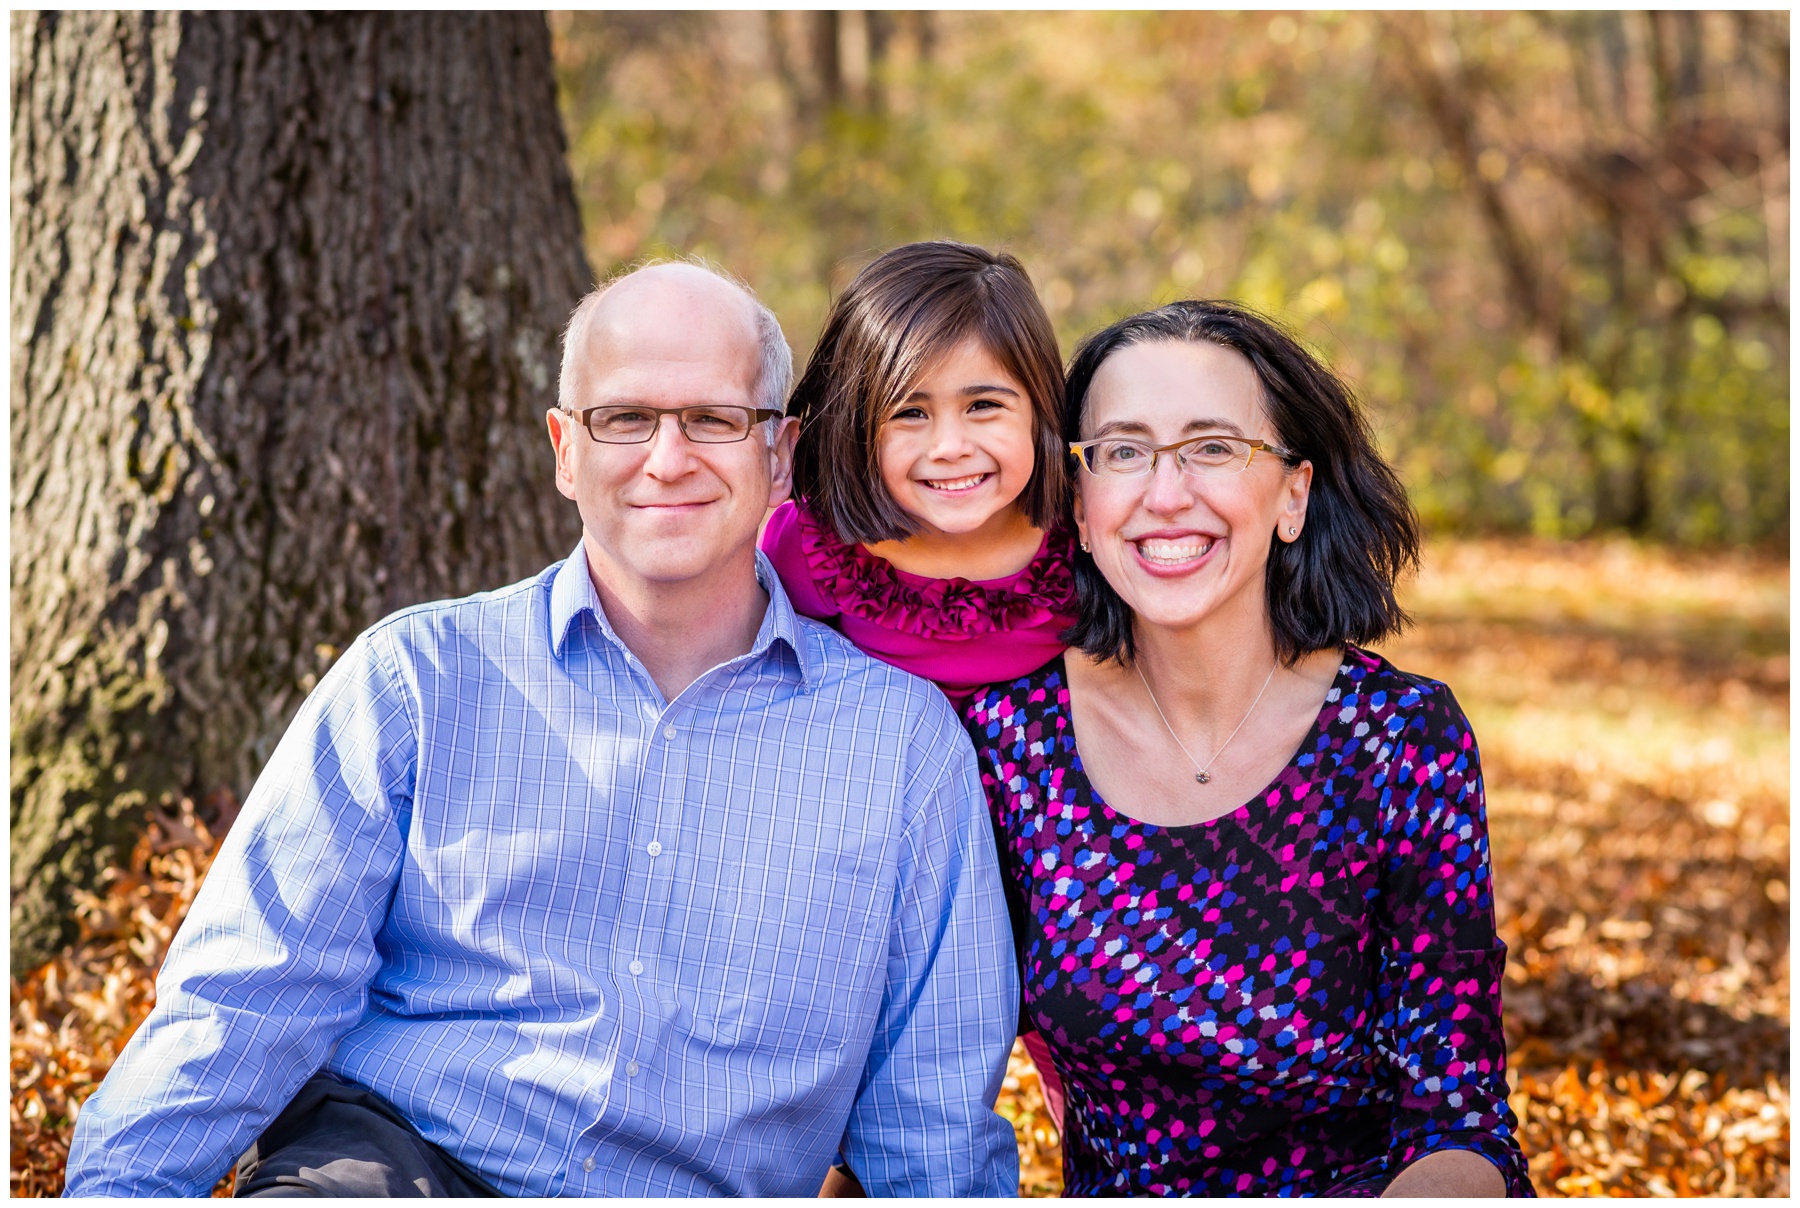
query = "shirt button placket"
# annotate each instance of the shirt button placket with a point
(635, 937)
(653, 848)
(661, 797)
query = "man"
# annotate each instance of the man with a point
(624, 880)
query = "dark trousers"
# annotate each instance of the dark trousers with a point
(337, 1139)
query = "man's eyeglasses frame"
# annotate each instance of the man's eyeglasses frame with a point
(757, 415)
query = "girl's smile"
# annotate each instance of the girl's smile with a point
(958, 450)
(954, 486)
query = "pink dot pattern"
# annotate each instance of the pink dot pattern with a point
(1299, 998)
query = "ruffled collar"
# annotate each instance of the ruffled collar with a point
(872, 588)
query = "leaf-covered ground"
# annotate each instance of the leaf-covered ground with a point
(1632, 708)
(71, 1017)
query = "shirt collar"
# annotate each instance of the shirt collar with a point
(572, 593)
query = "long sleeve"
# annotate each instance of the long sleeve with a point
(274, 960)
(923, 1122)
(1437, 1023)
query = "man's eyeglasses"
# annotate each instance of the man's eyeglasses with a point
(1200, 455)
(705, 424)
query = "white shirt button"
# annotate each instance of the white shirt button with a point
(631, 1069)
(588, 1165)
(655, 848)
(668, 731)
(636, 966)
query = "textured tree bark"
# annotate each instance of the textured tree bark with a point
(286, 292)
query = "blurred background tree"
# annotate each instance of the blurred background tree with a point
(286, 295)
(1550, 250)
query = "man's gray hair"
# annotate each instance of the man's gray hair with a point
(775, 373)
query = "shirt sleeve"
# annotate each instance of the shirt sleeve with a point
(1437, 1023)
(274, 960)
(923, 1122)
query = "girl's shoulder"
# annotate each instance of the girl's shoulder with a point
(851, 580)
(783, 542)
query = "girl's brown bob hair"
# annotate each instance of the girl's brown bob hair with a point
(909, 307)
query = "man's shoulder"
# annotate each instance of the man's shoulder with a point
(501, 614)
(861, 680)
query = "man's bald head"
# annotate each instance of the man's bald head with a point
(674, 301)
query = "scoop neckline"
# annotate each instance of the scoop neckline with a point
(1241, 812)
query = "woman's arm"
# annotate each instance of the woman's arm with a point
(1437, 1019)
(1448, 1174)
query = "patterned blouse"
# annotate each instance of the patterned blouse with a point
(1298, 998)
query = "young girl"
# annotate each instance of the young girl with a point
(930, 479)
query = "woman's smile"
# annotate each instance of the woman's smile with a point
(1173, 553)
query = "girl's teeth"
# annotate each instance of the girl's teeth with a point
(1173, 551)
(953, 484)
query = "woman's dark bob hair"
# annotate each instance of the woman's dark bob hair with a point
(1335, 583)
(909, 307)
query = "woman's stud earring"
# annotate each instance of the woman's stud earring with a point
(1292, 531)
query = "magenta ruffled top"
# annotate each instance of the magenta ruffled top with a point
(960, 634)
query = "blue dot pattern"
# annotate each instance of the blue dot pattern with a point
(1299, 998)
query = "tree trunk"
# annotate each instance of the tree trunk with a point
(286, 295)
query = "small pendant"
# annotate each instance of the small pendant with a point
(1202, 777)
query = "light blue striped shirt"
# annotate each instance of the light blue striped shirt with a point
(590, 942)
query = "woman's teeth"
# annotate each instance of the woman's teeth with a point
(1172, 551)
(954, 484)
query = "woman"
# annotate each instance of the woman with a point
(1248, 857)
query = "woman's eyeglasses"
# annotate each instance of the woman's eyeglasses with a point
(1200, 455)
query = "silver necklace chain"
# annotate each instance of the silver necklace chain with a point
(1204, 774)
